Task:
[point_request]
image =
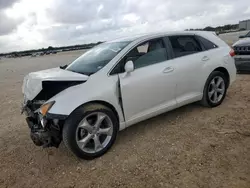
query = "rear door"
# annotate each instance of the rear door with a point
(214, 55)
(188, 62)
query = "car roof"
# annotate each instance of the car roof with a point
(158, 34)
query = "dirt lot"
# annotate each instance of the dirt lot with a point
(190, 147)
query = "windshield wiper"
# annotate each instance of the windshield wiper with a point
(63, 67)
(84, 73)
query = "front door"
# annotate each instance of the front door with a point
(150, 89)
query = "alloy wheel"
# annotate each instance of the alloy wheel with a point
(94, 132)
(216, 89)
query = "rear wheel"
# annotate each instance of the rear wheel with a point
(90, 131)
(215, 89)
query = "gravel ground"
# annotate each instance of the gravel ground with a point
(192, 146)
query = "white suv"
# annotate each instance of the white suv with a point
(119, 83)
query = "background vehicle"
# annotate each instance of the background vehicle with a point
(122, 82)
(245, 36)
(242, 51)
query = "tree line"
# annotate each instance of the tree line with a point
(219, 29)
(50, 49)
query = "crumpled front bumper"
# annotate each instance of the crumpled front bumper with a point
(37, 135)
(44, 130)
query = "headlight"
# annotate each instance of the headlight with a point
(45, 108)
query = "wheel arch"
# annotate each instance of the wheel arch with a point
(225, 72)
(104, 103)
(70, 127)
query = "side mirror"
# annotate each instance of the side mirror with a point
(242, 36)
(129, 66)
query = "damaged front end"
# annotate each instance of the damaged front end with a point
(38, 88)
(44, 130)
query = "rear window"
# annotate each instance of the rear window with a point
(208, 45)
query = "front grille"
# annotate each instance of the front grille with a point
(242, 50)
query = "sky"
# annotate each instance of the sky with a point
(32, 24)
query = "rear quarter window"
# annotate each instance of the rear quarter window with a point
(208, 45)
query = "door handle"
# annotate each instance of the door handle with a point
(205, 58)
(168, 69)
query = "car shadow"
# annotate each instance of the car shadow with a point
(131, 132)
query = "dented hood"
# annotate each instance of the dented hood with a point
(32, 83)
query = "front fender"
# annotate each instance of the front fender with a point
(105, 90)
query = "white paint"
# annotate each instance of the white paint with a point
(32, 84)
(147, 91)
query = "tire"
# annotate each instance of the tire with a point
(73, 128)
(207, 100)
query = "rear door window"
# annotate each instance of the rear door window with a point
(208, 45)
(184, 45)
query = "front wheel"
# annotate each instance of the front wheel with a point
(215, 89)
(90, 131)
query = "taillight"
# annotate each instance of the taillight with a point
(232, 53)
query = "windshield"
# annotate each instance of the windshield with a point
(96, 58)
(248, 34)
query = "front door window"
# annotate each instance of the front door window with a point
(148, 53)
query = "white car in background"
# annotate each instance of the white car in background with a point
(119, 83)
